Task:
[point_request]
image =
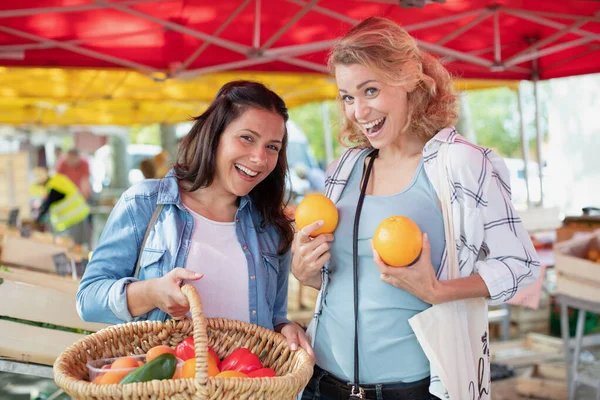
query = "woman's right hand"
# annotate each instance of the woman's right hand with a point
(167, 292)
(310, 254)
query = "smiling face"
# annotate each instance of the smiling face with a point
(378, 109)
(248, 151)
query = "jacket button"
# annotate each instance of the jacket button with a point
(253, 312)
(245, 247)
(251, 276)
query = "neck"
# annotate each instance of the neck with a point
(213, 197)
(406, 147)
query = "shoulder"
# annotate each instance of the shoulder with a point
(139, 201)
(473, 168)
(348, 158)
(469, 161)
(145, 188)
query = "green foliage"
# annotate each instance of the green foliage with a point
(149, 134)
(495, 117)
(309, 118)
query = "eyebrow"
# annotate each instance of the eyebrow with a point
(258, 135)
(359, 86)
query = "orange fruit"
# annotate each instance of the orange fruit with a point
(189, 368)
(316, 207)
(124, 362)
(112, 377)
(157, 351)
(98, 379)
(213, 368)
(177, 374)
(231, 374)
(398, 240)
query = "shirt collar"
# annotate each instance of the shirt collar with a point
(168, 192)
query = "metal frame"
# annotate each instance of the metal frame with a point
(574, 377)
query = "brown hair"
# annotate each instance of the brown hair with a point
(196, 157)
(389, 51)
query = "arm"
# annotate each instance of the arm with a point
(102, 294)
(511, 262)
(52, 197)
(281, 299)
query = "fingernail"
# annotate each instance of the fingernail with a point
(294, 347)
(198, 275)
(425, 237)
(321, 223)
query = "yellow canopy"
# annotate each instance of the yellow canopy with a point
(56, 96)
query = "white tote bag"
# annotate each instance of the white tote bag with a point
(454, 335)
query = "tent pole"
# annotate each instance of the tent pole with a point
(327, 133)
(524, 144)
(538, 131)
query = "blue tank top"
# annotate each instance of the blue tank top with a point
(388, 348)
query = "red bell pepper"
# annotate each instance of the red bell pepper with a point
(213, 354)
(185, 349)
(263, 372)
(242, 360)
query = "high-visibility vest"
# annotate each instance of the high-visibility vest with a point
(72, 209)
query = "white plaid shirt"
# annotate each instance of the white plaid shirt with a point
(491, 239)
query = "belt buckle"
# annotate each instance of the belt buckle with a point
(354, 394)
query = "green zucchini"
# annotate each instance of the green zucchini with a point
(162, 367)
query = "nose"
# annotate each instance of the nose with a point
(259, 156)
(361, 110)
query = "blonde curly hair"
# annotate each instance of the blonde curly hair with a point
(390, 52)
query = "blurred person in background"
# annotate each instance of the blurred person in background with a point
(148, 168)
(314, 176)
(77, 169)
(162, 163)
(68, 210)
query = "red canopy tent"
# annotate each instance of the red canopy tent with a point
(503, 39)
(164, 39)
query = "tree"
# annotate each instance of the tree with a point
(309, 118)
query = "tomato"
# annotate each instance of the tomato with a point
(241, 360)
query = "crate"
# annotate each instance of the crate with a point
(28, 297)
(577, 276)
(544, 381)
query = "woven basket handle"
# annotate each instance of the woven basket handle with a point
(200, 335)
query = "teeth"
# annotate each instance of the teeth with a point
(246, 170)
(373, 123)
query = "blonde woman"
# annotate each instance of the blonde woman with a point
(399, 107)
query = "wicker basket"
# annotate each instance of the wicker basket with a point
(293, 369)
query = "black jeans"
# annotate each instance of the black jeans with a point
(321, 383)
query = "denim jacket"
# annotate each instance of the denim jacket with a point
(102, 291)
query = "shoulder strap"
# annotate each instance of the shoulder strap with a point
(446, 202)
(155, 216)
(357, 392)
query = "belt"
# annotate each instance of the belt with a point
(329, 386)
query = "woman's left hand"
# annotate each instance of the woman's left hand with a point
(418, 279)
(296, 336)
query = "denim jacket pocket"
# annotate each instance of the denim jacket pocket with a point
(150, 265)
(271, 265)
